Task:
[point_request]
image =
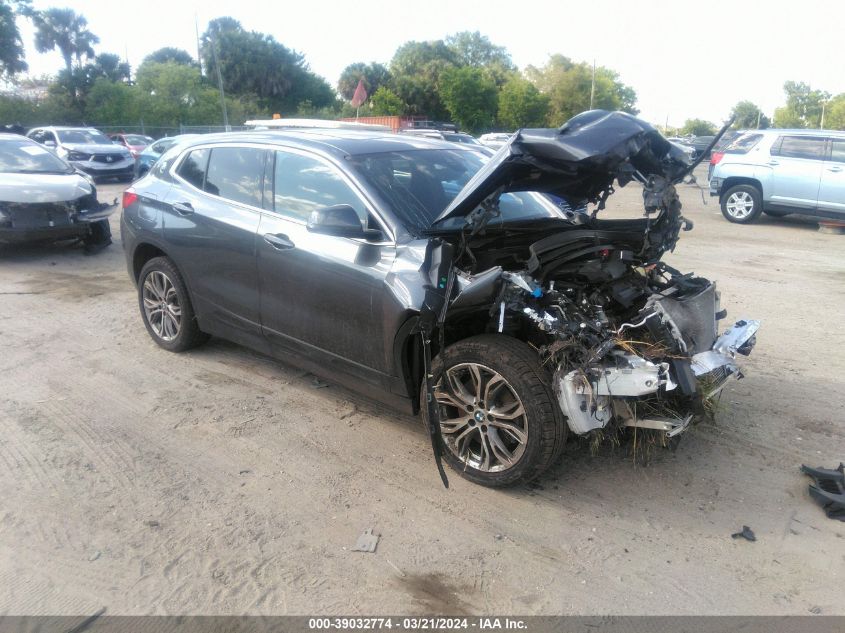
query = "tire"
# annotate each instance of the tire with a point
(475, 440)
(742, 204)
(166, 307)
(99, 236)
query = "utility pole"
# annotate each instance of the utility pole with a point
(199, 51)
(219, 80)
(593, 86)
(821, 124)
(759, 112)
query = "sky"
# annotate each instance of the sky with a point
(684, 59)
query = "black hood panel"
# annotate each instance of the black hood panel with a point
(578, 161)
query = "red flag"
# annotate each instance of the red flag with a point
(360, 95)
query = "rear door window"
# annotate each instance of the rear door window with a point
(192, 169)
(237, 174)
(809, 147)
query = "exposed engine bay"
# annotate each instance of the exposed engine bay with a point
(628, 340)
(627, 344)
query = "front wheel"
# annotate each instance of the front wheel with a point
(166, 307)
(498, 417)
(742, 204)
(99, 236)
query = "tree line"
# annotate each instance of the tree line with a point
(464, 78)
(805, 108)
(468, 79)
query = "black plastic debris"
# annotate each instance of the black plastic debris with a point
(828, 488)
(747, 533)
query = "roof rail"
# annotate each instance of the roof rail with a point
(272, 124)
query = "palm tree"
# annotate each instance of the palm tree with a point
(66, 30)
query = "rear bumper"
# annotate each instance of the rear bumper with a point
(715, 186)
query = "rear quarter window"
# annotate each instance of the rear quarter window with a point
(837, 152)
(192, 169)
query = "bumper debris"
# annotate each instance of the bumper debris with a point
(828, 488)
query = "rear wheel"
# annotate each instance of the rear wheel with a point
(742, 204)
(498, 417)
(166, 307)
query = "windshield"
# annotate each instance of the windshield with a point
(136, 139)
(420, 184)
(163, 145)
(461, 138)
(25, 157)
(83, 137)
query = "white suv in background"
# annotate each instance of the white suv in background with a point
(778, 172)
(87, 149)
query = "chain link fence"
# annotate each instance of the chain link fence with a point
(158, 131)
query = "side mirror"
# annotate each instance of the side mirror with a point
(340, 220)
(50, 143)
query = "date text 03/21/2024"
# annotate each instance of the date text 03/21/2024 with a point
(415, 624)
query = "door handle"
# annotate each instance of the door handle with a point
(773, 162)
(279, 241)
(834, 169)
(183, 208)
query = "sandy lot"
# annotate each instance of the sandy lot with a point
(224, 482)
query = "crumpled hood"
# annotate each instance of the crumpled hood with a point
(95, 148)
(42, 188)
(578, 161)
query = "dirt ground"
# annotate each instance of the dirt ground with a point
(224, 482)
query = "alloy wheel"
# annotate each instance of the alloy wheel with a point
(161, 305)
(739, 205)
(482, 419)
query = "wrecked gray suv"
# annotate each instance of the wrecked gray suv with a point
(430, 277)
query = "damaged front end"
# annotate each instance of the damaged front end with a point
(654, 374)
(629, 347)
(628, 341)
(50, 219)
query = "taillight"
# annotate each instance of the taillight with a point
(715, 157)
(129, 197)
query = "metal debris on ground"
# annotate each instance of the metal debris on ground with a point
(833, 227)
(828, 488)
(367, 542)
(747, 533)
